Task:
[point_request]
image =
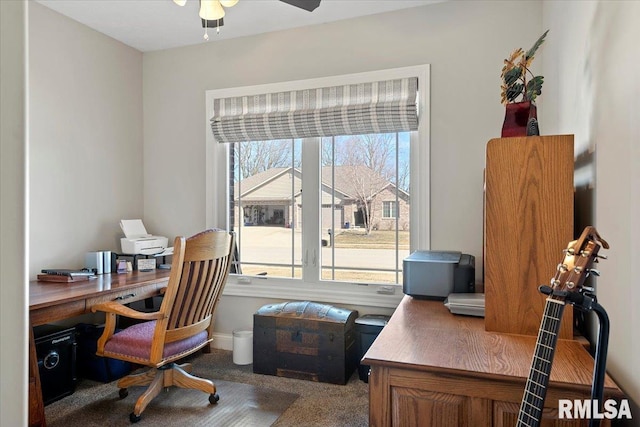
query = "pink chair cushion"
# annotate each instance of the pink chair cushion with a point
(135, 341)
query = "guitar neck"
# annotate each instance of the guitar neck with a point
(535, 391)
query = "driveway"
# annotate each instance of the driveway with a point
(273, 245)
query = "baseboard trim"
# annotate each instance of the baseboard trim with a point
(222, 341)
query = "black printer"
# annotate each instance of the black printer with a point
(436, 274)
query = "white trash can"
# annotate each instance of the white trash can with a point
(242, 347)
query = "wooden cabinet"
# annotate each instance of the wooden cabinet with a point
(528, 222)
(432, 368)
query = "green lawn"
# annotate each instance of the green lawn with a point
(376, 239)
(353, 276)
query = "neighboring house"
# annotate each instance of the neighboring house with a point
(266, 199)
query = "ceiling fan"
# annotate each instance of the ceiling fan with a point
(212, 11)
(308, 5)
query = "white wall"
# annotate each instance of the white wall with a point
(458, 39)
(86, 139)
(13, 219)
(591, 70)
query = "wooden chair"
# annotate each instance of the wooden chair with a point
(182, 326)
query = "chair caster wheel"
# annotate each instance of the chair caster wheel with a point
(134, 418)
(213, 398)
(123, 392)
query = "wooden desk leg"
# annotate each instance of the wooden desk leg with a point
(36, 404)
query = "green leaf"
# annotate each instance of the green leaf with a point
(534, 87)
(511, 76)
(514, 91)
(536, 45)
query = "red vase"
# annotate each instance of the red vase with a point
(520, 119)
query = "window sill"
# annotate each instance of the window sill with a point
(342, 293)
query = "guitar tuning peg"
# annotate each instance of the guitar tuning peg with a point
(594, 272)
(588, 289)
(600, 256)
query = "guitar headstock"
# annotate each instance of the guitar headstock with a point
(576, 265)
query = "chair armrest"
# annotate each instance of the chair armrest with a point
(123, 310)
(112, 308)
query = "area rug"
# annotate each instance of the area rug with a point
(97, 404)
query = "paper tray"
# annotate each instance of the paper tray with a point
(466, 303)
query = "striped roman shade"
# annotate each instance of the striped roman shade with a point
(377, 107)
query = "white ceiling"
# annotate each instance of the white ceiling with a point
(149, 25)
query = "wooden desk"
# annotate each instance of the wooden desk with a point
(432, 368)
(49, 302)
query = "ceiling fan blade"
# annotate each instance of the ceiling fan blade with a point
(309, 5)
(214, 23)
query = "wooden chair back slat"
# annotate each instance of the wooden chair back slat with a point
(197, 310)
(176, 305)
(205, 302)
(196, 287)
(217, 293)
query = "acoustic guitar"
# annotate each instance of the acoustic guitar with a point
(568, 281)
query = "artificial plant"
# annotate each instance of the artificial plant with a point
(518, 82)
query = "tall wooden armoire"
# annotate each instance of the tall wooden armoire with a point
(528, 222)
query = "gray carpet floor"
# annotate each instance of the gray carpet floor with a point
(246, 399)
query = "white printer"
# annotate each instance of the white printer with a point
(138, 241)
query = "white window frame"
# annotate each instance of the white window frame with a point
(217, 182)
(392, 207)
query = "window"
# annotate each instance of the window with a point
(266, 207)
(358, 173)
(322, 214)
(389, 209)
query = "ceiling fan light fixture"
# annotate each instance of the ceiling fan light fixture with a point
(211, 10)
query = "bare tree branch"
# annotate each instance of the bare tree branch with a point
(254, 157)
(369, 165)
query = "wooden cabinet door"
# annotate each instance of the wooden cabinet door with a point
(505, 414)
(528, 222)
(421, 408)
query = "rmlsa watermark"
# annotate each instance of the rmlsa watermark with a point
(588, 409)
